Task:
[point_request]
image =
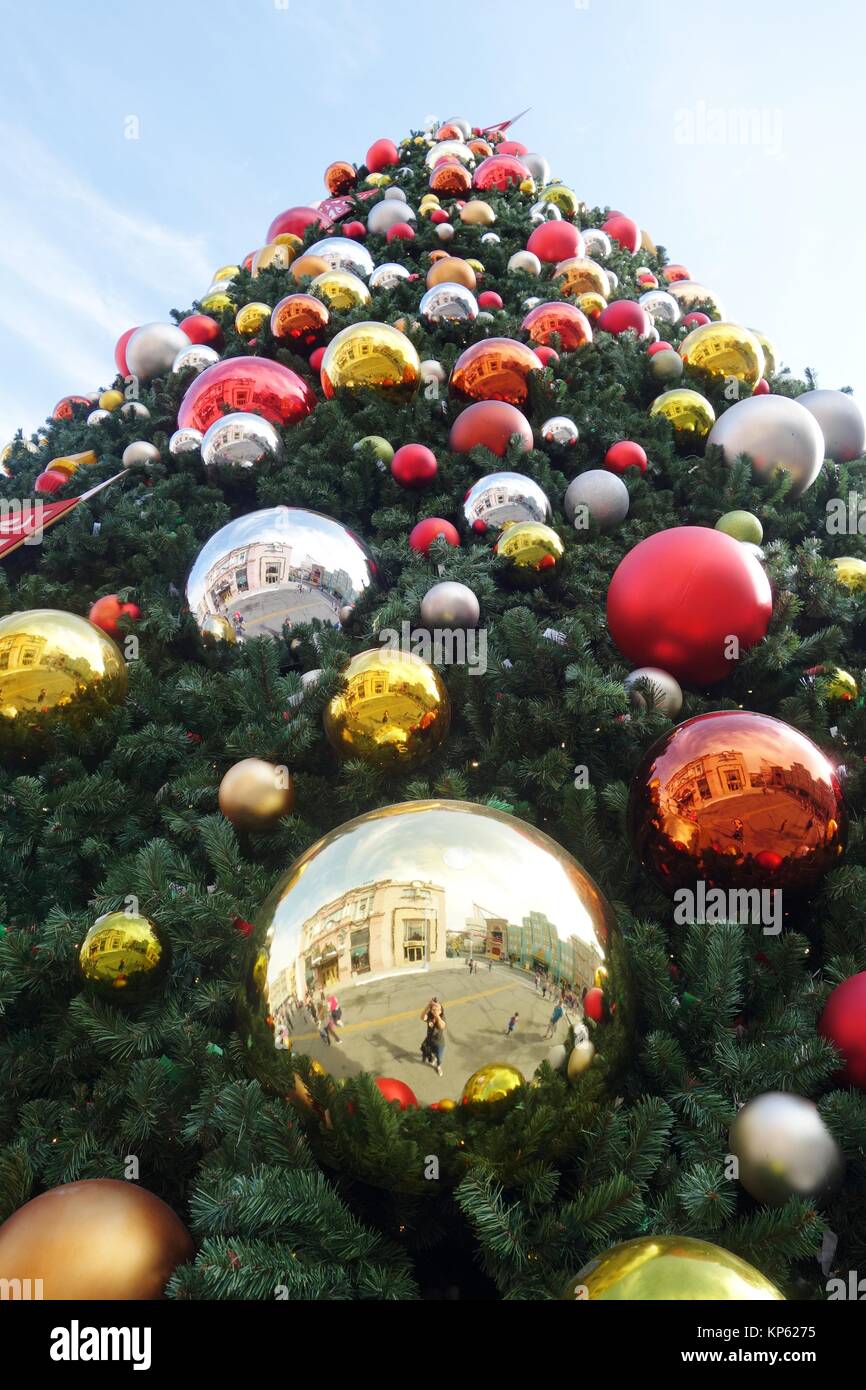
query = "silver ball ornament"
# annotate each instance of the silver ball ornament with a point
(431, 370)
(531, 301)
(135, 410)
(545, 212)
(778, 434)
(140, 454)
(666, 366)
(448, 303)
(561, 431)
(661, 306)
(596, 242)
(665, 692)
(387, 276)
(525, 261)
(96, 417)
(185, 441)
(613, 279)
(445, 231)
(491, 239)
(152, 349)
(537, 166)
(385, 215)
(450, 604)
(196, 356)
(501, 499)
(599, 495)
(240, 440)
(784, 1149)
(343, 253)
(841, 421)
(396, 193)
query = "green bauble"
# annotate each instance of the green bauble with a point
(743, 526)
(383, 450)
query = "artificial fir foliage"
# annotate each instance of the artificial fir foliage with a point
(329, 1199)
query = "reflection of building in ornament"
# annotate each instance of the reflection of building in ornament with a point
(707, 779)
(21, 650)
(241, 394)
(534, 945)
(117, 941)
(263, 565)
(367, 684)
(377, 929)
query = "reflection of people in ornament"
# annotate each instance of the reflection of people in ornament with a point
(512, 1024)
(433, 1046)
(554, 1019)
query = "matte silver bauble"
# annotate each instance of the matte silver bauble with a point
(599, 495)
(778, 434)
(650, 684)
(784, 1149)
(387, 214)
(450, 604)
(841, 421)
(140, 454)
(525, 261)
(152, 349)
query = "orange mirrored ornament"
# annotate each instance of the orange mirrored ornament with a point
(301, 318)
(558, 319)
(581, 275)
(309, 265)
(495, 369)
(340, 177)
(451, 178)
(737, 800)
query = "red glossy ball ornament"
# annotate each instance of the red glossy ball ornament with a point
(401, 231)
(673, 273)
(546, 355)
(105, 612)
(762, 388)
(491, 423)
(499, 172)
(439, 215)
(558, 317)
(301, 319)
(625, 454)
(623, 316)
(489, 299)
(593, 1004)
(397, 1090)
(294, 220)
(623, 230)
(120, 351)
(556, 241)
(414, 465)
(422, 536)
(494, 369)
(381, 155)
(249, 384)
(659, 347)
(513, 147)
(316, 359)
(678, 598)
(356, 230)
(737, 800)
(201, 328)
(50, 481)
(696, 319)
(64, 410)
(843, 1023)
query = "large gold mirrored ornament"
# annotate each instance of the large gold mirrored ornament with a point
(491, 1084)
(671, 1269)
(688, 412)
(723, 350)
(383, 918)
(393, 711)
(124, 957)
(371, 356)
(56, 669)
(277, 566)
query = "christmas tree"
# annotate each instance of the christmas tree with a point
(456, 497)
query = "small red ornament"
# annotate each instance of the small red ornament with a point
(489, 299)
(414, 465)
(491, 423)
(546, 355)
(843, 1023)
(672, 273)
(105, 612)
(316, 358)
(659, 347)
(401, 231)
(356, 230)
(625, 315)
(678, 598)
(696, 319)
(201, 328)
(120, 351)
(241, 925)
(439, 215)
(647, 280)
(623, 230)
(294, 220)
(623, 455)
(762, 388)
(422, 536)
(51, 480)
(381, 155)
(593, 1004)
(556, 241)
(392, 1089)
(64, 409)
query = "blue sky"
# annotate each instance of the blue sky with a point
(734, 133)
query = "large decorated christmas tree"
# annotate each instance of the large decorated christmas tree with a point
(432, 742)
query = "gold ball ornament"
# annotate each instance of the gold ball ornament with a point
(592, 304)
(226, 272)
(124, 957)
(288, 239)
(841, 685)
(340, 289)
(581, 1055)
(688, 412)
(453, 271)
(393, 712)
(581, 275)
(534, 553)
(276, 255)
(250, 318)
(255, 794)
(647, 243)
(723, 350)
(308, 265)
(371, 356)
(111, 400)
(492, 1084)
(563, 198)
(94, 1240)
(691, 295)
(340, 178)
(850, 572)
(56, 669)
(216, 303)
(217, 628)
(477, 213)
(670, 1269)
(769, 352)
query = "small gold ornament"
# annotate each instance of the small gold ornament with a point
(55, 668)
(580, 1056)
(841, 685)
(724, 350)
(225, 272)
(563, 198)
(275, 255)
(123, 956)
(255, 794)
(250, 318)
(394, 710)
(850, 572)
(340, 289)
(451, 270)
(670, 1269)
(216, 303)
(308, 265)
(491, 1084)
(581, 275)
(111, 400)
(216, 628)
(688, 412)
(592, 304)
(477, 213)
(534, 553)
(691, 295)
(769, 352)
